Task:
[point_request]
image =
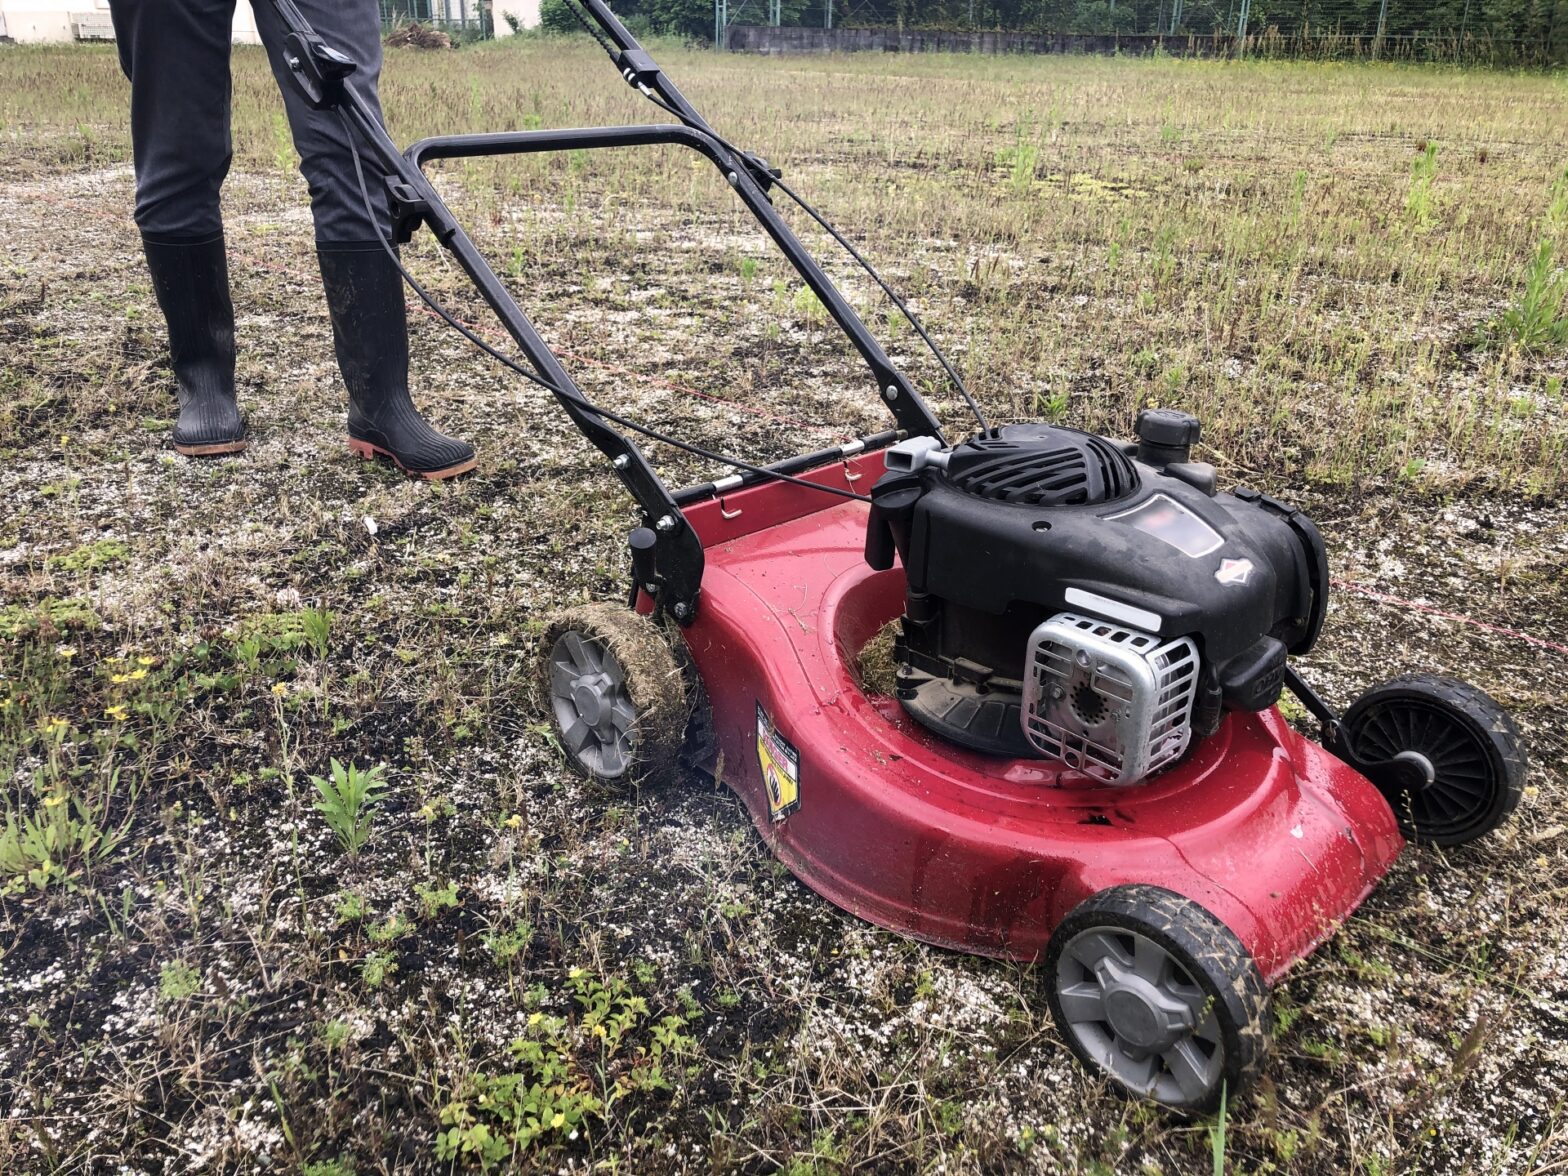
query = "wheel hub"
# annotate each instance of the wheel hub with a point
(591, 697)
(1416, 769)
(593, 711)
(1145, 1018)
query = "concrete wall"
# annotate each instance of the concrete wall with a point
(526, 11)
(764, 39)
(59, 20)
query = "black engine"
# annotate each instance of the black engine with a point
(1084, 600)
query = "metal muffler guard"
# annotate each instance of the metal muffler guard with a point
(1111, 702)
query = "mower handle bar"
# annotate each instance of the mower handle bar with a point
(323, 76)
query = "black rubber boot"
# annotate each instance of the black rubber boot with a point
(192, 285)
(370, 332)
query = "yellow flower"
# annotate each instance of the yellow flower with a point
(144, 660)
(600, 1031)
(279, 689)
(515, 821)
(535, 1018)
(137, 675)
(116, 712)
(65, 438)
(558, 1120)
(65, 651)
(119, 679)
(53, 801)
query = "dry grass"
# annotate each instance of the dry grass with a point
(200, 977)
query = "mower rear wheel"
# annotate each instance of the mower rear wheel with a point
(1445, 755)
(616, 692)
(1158, 995)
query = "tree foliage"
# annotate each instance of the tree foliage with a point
(1537, 28)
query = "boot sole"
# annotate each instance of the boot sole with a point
(370, 452)
(217, 449)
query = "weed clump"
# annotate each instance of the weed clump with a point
(1538, 320)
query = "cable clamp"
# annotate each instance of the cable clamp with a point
(637, 67)
(763, 172)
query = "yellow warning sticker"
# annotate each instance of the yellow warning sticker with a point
(780, 764)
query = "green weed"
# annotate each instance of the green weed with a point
(348, 799)
(1538, 319)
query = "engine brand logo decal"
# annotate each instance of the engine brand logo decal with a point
(780, 764)
(1234, 571)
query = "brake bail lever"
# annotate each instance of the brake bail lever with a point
(317, 69)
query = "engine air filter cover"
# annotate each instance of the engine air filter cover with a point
(1042, 465)
(1109, 701)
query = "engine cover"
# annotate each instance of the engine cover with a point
(1015, 540)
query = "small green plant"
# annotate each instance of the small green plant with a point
(283, 157)
(316, 624)
(1021, 158)
(378, 968)
(1420, 203)
(348, 800)
(1217, 1133)
(505, 946)
(350, 907)
(1538, 319)
(435, 899)
(177, 980)
(92, 557)
(808, 305)
(563, 1082)
(55, 844)
(1557, 204)
(390, 930)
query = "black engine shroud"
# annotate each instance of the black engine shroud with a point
(1023, 522)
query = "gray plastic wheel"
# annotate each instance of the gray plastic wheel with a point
(1158, 995)
(615, 691)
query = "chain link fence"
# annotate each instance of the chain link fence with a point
(462, 20)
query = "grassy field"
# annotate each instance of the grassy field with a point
(1351, 273)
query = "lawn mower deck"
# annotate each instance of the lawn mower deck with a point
(1082, 764)
(1261, 826)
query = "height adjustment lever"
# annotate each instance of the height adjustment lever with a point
(317, 69)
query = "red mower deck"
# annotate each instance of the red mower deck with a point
(1260, 826)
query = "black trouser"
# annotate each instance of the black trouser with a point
(176, 53)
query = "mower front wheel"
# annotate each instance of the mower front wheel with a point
(1444, 754)
(613, 686)
(1153, 992)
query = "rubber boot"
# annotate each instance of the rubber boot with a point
(370, 332)
(192, 285)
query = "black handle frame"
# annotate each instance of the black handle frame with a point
(324, 76)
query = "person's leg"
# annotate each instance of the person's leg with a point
(363, 287)
(176, 55)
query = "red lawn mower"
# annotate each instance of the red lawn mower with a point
(1080, 762)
